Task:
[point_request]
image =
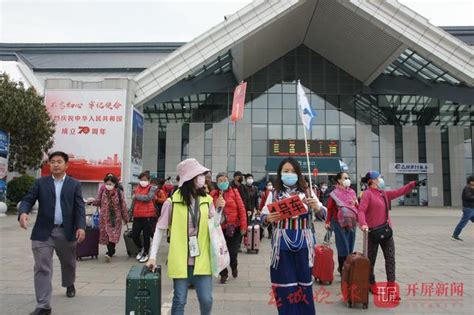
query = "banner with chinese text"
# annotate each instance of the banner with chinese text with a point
(137, 145)
(90, 128)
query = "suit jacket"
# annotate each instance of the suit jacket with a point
(72, 205)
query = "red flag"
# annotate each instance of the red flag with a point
(239, 101)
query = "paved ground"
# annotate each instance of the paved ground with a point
(425, 256)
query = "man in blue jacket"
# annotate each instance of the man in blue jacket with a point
(59, 224)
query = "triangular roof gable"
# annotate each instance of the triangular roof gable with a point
(403, 26)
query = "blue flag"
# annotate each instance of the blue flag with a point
(305, 110)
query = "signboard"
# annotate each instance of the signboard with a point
(324, 166)
(136, 166)
(288, 207)
(4, 145)
(411, 168)
(316, 148)
(90, 128)
(238, 102)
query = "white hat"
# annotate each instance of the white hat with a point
(188, 169)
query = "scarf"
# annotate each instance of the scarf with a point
(344, 197)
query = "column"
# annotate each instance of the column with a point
(150, 145)
(364, 150)
(456, 164)
(387, 155)
(173, 148)
(243, 146)
(410, 144)
(196, 141)
(433, 156)
(219, 148)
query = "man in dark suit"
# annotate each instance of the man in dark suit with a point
(59, 224)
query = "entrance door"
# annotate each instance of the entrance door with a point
(413, 197)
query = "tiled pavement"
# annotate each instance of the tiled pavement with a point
(424, 254)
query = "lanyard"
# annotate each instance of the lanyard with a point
(194, 214)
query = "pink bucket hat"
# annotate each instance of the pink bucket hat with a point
(188, 169)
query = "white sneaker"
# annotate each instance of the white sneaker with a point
(144, 259)
(140, 255)
(107, 258)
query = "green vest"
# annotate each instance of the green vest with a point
(178, 251)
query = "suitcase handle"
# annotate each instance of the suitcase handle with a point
(327, 237)
(366, 242)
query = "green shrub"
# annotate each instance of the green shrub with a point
(18, 187)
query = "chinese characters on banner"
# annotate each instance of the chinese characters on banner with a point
(238, 102)
(90, 128)
(288, 207)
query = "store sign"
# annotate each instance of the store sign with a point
(411, 168)
(90, 128)
(316, 148)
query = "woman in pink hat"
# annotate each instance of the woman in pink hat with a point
(186, 216)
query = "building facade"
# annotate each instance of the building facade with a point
(391, 92)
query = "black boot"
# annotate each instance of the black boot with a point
(341, 260)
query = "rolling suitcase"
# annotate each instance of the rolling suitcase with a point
(253, 237)
(323, 267)
(355, 277)
(143, 291)
(90, 246)
(132, 249)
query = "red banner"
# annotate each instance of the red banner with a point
(238, 102)
(288, 207)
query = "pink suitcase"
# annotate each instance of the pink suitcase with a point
(253, 237)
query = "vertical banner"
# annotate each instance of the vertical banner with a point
(137, 145)
(90, 128)
(4, 144)
(238, 102)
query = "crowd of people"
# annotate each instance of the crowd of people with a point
(181, 213)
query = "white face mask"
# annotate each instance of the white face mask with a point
(346, 183)
(144, 183)
(109, 187)
(270, 187)
(250, 181)
(201, 180)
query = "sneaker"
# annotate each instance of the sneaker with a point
(140, 255)
(235, 273)
(144, 258)
(107, 258)
(456, 238)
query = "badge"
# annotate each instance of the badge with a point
(193, 246)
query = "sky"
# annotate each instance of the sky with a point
(68, 21)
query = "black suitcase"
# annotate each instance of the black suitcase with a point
(132, 249)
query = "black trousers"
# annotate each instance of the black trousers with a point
(388, 249)
(144, 225)
(110, 249)
(233, 245)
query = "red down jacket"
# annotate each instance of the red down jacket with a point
(234, 209)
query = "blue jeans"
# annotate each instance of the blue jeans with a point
(203, 286)
(467, 214)
(345, 239)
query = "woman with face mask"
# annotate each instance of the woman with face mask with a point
(292, 242)
(263, 199)
(342, 200)
(235, 225)
(144, 215)
(186, 215)
(373, 213)
(113, 209)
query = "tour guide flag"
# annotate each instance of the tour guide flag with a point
(305, 110)
(239, 101)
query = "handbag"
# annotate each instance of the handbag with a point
(382, 232)
(220, 258)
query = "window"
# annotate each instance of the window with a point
(289, 132)
(259, 116)
(259, 147)
(274, 116)
(332, 132)
(348, 149)
(274, 131)
(289, 116)
(274, 100)
(318, 132)
(259, 132)
(332, 117)
(348, 132)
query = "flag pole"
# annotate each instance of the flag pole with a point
(307, 161)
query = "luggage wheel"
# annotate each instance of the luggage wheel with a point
(365, 306)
